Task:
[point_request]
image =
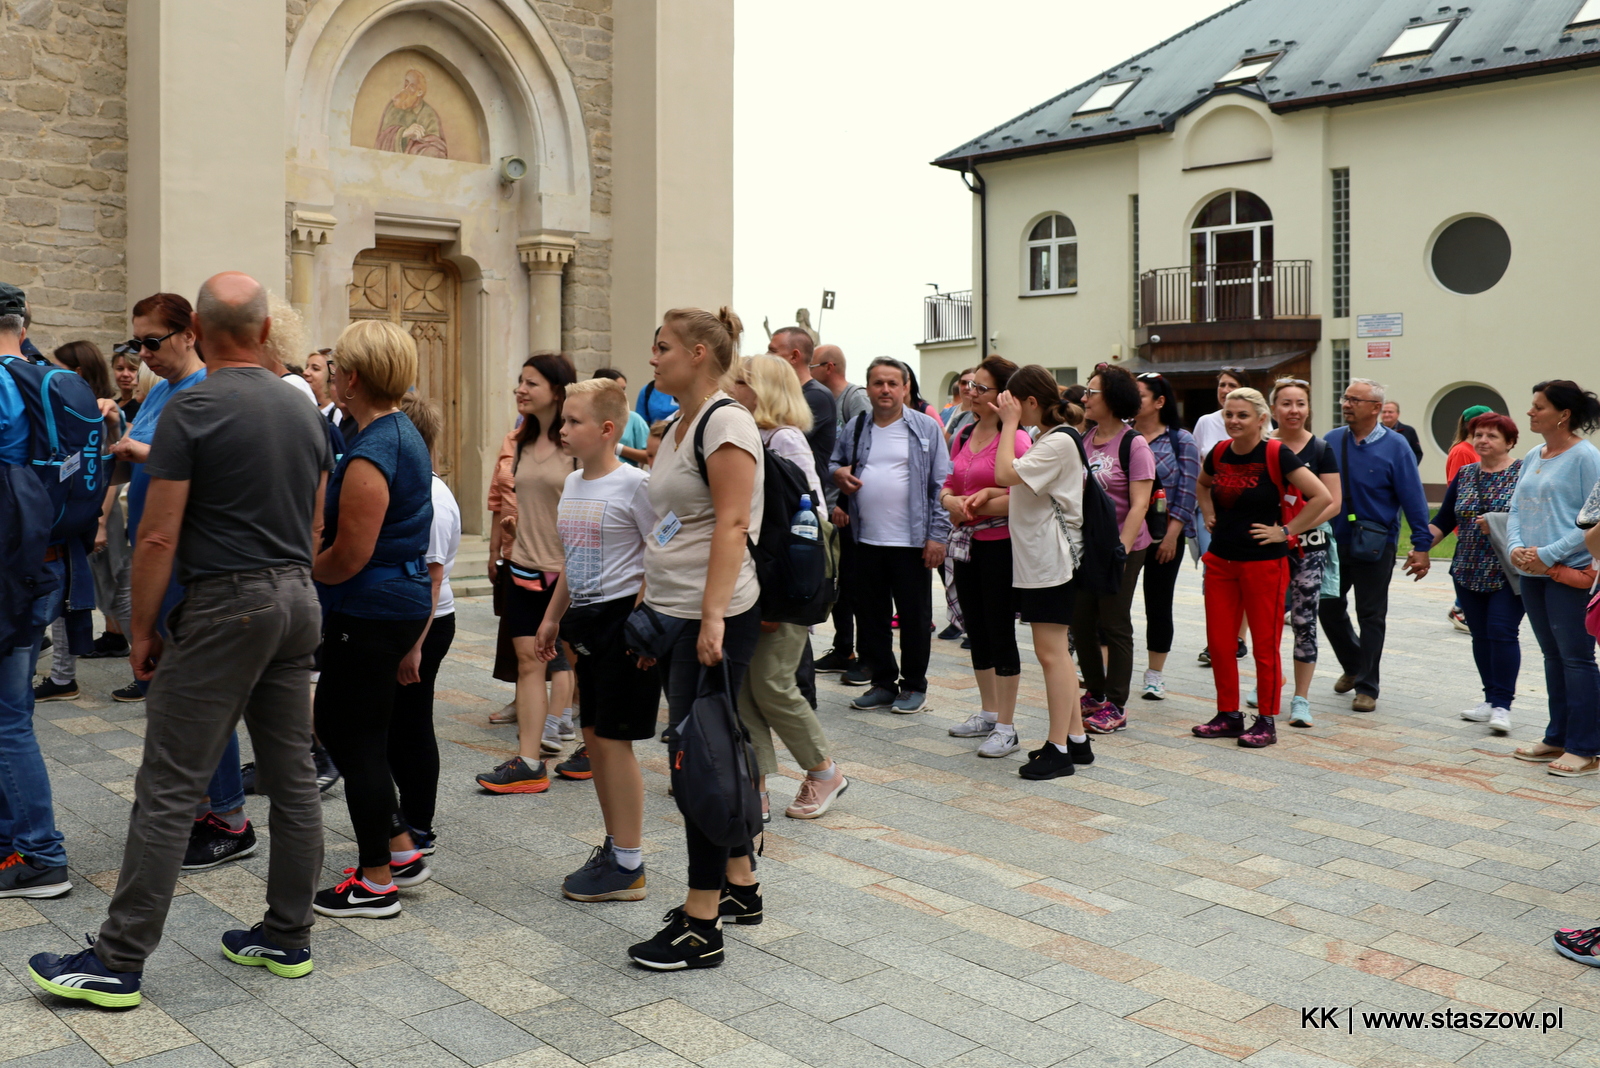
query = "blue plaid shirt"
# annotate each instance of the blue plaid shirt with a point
(1178, 464)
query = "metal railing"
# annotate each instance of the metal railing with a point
(947, 316)
(1225, 292)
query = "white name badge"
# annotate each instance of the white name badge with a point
(667, 529)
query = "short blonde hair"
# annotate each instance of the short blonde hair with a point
(1251, 397)
(779, 401)
(382, 354)
(286, 339)
(607, 400)
(658, 429)
(425, 416)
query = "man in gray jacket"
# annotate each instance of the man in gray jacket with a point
(890, 464)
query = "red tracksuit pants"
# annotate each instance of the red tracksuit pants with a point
(1253, 590)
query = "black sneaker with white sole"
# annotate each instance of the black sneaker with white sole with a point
(355, 897)
(327, 773)
(411, 872)
(834, 661)
(684, 942)
(860, 675)
(49, 689)
(213, 842)
(25, 877)
(129, 694)
(741, 904)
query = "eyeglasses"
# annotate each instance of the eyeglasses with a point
(1087, 392)
(1347, 399)
(133, 346)
(974, 387)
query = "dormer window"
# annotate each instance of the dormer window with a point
(1421, 39)
(1590, 12)
(1106, 97)
(1250, 68)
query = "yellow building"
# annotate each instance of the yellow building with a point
(498, 176)
(1373, 188)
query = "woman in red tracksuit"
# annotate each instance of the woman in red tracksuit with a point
(1242, 490)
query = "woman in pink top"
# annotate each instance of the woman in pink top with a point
(1121, 461)
(978, 507)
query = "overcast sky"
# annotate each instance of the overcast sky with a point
(839, 106)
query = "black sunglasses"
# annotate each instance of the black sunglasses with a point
(133, 346)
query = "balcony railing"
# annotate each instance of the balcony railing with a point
(1226, 292)
(947, 316)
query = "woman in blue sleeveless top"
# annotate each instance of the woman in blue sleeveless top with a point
(376, 600)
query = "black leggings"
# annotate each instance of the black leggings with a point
(413, 748)
(354, 704)
(989, 606)
(1160, 582)
(708, 862)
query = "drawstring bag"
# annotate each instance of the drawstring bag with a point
(714, 770)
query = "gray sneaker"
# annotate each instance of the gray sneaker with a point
(550, 741)
(564, 726)
(1001, 740)
(976, 726)
(877, 697)
(909, 701)
(602, 880)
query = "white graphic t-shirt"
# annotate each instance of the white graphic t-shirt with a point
(603, 523)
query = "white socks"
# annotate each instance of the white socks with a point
(629, 859)
(826, 774)
(1059, 748)
(1078, 738)
(992, 717)
(404, 856)
(1004, 728)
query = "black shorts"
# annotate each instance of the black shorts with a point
(1051, 604)
(523, 612)
(616, 698)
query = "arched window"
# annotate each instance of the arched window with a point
(1053, 256)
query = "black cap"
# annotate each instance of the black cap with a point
(13, 301)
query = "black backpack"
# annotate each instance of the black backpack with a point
(797, 583)
(1155, 522)
(713, 765)
(1104, 557)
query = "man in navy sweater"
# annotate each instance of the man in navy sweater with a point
(1380, 480)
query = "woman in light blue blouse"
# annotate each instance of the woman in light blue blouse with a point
(1547, 549)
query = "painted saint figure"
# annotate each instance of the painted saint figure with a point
(409, 123)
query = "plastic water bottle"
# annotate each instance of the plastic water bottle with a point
(803, 524)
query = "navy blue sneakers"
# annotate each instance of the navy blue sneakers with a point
(255, 949)
(82, 976)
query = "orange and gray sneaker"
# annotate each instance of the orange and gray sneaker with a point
(576, 766)
(816, 795)
(516, 777)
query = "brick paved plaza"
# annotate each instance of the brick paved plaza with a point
(1178, 904)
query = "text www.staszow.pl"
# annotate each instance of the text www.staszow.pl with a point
(1343, 1018)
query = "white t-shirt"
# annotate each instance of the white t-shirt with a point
(603, 524)
(790, 444)
(1041, 551)
(299, 382)
(444, 540)
(1208, 430)
(678, 552)
(331, 412)
(883, 503)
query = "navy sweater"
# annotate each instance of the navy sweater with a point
(1380, 481)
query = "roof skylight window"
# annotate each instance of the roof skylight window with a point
(1105, 98)
(1421, 39)
(1249, 69)
(1590, 12)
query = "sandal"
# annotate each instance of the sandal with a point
(1585, 766)
(1538, 753)
(508, 714)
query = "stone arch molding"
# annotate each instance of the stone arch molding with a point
(498, 50)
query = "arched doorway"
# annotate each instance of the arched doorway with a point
(1230, 259)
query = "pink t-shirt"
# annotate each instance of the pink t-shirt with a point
(971, 472)
(1105, 463)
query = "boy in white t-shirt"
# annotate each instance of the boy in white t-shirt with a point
(604, 517)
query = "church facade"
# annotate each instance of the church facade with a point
(497, 176)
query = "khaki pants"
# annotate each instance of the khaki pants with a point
(770, 701)
(240, 646)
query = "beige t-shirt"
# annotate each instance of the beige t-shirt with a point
(1042, 546)
(538, 485)
(675, 573)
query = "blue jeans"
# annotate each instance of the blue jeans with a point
(27, 818)
(1495, 619)
(1555, 612)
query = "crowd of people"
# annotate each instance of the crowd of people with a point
(634, 561)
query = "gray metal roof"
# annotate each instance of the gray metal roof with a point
(1330, 56)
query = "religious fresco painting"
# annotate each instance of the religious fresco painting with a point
(410, 104)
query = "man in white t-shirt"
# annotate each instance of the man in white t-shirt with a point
(889, 464)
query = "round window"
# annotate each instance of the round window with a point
(1447, 413)
(1471, 255)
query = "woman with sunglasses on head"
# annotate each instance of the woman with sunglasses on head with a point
(1291, 410)
(1172, 518)
(982, 548)
(1242, 493)
(1122, 462)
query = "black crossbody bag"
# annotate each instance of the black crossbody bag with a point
(1369, 539)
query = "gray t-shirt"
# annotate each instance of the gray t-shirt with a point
(252, 453)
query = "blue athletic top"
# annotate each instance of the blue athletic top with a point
(144, 430)
(391, 586)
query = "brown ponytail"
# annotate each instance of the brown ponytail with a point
(1054, 408)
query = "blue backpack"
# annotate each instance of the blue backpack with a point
(66, 436)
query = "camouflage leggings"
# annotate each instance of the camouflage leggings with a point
(1305, 591)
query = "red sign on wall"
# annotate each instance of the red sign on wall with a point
(1378, 350)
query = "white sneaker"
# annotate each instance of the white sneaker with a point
(550, 742)
(1500, 720)
(1479, 714)
(976, 726)
(1001, 740)
(1154, 687)
(564, 725)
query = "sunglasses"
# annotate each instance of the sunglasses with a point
(1234, 371)
(1302, 383)
(133, 346)
(1150, 376)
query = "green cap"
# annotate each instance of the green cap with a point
(12, 300)
(1476, 410)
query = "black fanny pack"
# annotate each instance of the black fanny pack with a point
(595, 628)
(651, 634)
